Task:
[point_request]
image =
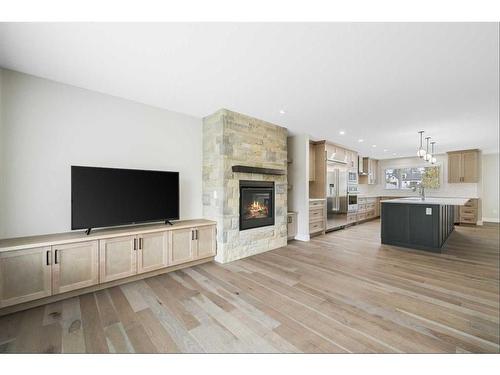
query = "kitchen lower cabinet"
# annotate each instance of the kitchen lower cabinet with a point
(75, 266)
(117, 258)
(25, 275)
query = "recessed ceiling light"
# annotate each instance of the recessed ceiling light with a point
(341, 132)
(385, 150)
(374, 145)
(282, 112)
(361, 140)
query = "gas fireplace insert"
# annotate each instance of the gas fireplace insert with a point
(256, 204)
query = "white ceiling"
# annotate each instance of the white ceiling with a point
(379, 82)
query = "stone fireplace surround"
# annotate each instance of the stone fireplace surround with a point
(232, 139)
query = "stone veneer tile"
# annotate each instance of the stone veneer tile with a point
(230, 138)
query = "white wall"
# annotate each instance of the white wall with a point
(47, 127)
(490, 170)
(446, 190)
(298, 177)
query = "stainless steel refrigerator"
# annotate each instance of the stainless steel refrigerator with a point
(336, 195)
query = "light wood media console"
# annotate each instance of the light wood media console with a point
(42, 269)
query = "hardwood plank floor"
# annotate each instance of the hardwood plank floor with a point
(343, 292)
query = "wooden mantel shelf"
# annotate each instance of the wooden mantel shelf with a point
(248, 169)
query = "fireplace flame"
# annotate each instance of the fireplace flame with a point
(257, 209)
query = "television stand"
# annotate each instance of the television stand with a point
(87, 232)
(168, 222)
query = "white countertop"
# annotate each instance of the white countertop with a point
(316, 199)
(430, 200)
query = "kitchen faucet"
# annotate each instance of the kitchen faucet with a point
(421, 191)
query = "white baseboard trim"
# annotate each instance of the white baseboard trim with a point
(302, 237)
(491, 219)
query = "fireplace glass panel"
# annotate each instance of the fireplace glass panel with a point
(256, 204)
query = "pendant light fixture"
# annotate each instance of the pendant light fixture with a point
(427, 156)
(421, 152)
(433, 157)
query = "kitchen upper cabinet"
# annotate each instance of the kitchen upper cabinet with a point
(75, 266)
(117, 258)
(334, 152)
(463, 166)
(312, 162)
(152, 252)
(25, 275)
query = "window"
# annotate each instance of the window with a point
(412, 177)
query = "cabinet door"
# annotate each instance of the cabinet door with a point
(75, 266)
(25, 275)
(180, 247)
(205, 242)
(312, 162)
(153, 252)
(454, 168)
(117, 258)
(470, 166)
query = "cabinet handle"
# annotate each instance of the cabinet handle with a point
(55, 257)
(196, 233)
(140, 243)
(192, 234)
(135, 243)
(48, 258)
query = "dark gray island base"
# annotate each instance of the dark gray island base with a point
(416, 224)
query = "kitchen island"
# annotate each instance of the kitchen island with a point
(418, 224)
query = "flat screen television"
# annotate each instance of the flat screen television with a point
(103, 197)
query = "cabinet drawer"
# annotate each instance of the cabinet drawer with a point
(361, 216)
(352, 218)
(468, 219)
(316, 226)
(468, 211)
(316, 214)
(316, 204)
(470, 203)
(361, 207)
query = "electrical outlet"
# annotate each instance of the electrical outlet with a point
(428, 211)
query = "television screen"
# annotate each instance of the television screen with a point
(102, 197)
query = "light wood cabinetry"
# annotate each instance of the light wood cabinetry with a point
(312, 162)
(291, 225)
(181, 246)
(317, 216)
(118, 258)
(368, 208)
(463, 166)
(469, 212)
(152, 251)
(317, 188)
(41, 268)
(74, 266)
(25, 275)
(205, 242)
